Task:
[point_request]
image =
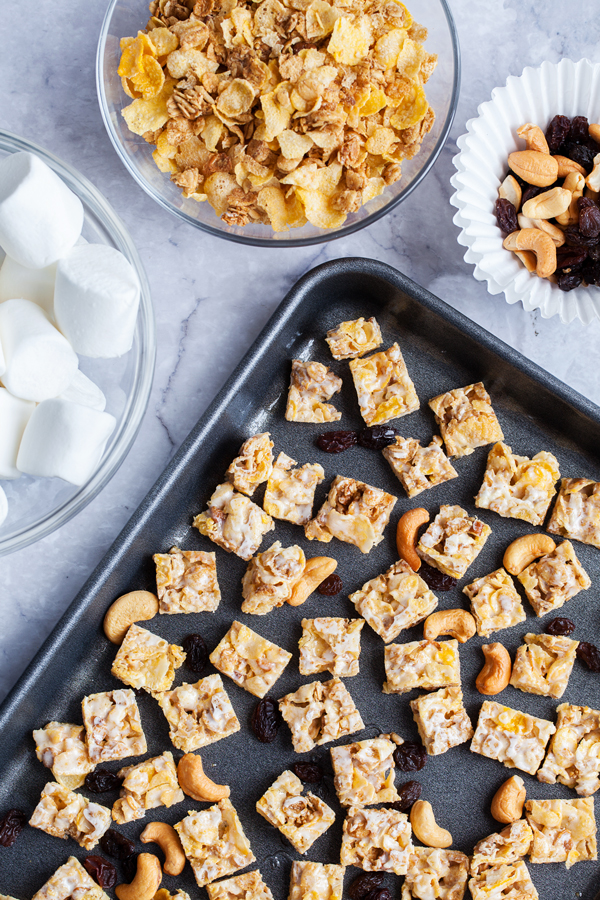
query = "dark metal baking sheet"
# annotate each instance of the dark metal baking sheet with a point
(442, 349)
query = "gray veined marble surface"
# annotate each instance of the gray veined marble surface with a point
(213, 297)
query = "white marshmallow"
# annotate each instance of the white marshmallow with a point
(40, 217)
(3, 506)
(64, 440)
(82, 390)
(40, 363)
(14, 416)
(37, 285)
(96, 300)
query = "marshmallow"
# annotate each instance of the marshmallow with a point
(82, 390)
(14, 416)
(3, 506)
(64, 440)
(40, 218)
(96, 300)
(37, 285)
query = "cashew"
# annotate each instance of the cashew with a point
(594, 132)
(406, 535)
(593, 195)
(566, 165)
(168, 840)
(524, 550)
(593, 179)
(316, 570)
(534, 167)
(527, 258)
(534, 136)
(555, 233)
(510, 190)
(195, 783)
(496, 672)
(540, 243)
(458, 623)
(574, 182)
(137, 606)
(425, 827)
(146, 882)
(548, 204)
(507, 802)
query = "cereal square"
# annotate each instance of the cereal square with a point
(330, 645)
(186, 581)
(574, 754)
(352, 339)
(253, 465)
(354, 512)
(65, 814)
(418, 468)
(234, 522)
(311, 385)
(576, 513)
(62, 748)
(543, 664)
(145, 660)
(421, 664)
(320, 712)
(214, 842)
(377, 840)
(453, 541)
(466, 419)
(270, 578)
(364, 772)
(517, 487)
(442, 720)
(70, 880)
(301, 819)
(506, 846)
(554, 578)
(290, 492)
(249, 886)
(503, 882)
(253, 662)
(394, 601)
(563, 830)
(495, 602)
(198, 714)
(512, 737)
(383, 386)
(435, 873)
(315, 881)
(150, 784)
(113, 726)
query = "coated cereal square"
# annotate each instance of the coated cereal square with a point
(331, 645)
(198, 714)
(573, 757)
(300, 818)
(290, 492)
(576, 513)
(553, 579)
(436, 873)
(563, 830)
(311, 385)
(234, 522)
(495, 602)
(65, 814)
(145, 660)
(214, 842)
(70, 880)
(466, 419)
(517, 487)
(62, 747)
(543, 664)
(316, 881)
(421, 664)
(383, 386)
(442, 720)
(352, 339)
(377, 840)
(147, 785)
(113, 726)
(503, 882)
(319, 712)
(507, 846)
(453, 541)
(253, 662)
(186, 581)
(248, 886)
(418, 468)
(270, 578)
(354, 512)
(364, 772)
(514, 738)
(253, 464)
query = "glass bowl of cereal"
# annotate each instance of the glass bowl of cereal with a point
(38, 506)
(284, 122)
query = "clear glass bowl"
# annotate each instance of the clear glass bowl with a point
(126, 17)
(38, 506)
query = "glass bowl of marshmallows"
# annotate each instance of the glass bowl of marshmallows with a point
(77, 343)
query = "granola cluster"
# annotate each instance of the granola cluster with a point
(279, 112)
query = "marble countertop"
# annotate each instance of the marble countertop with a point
(213, 297)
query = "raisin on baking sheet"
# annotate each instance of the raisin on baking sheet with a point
(560, 626)
(117, 845)
(129, 868)
(196, 653)
(12, 824)
(265, 720)
(435, 579)
(363, 884)
(336, 441)
(376, 437)
(409, 793)
(506, 216)
(102, 871)
(590, 655)
(378, 894)
(310, 773)
(330, 586)
(410, 756)
(101, 780)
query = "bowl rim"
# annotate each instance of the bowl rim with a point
(344, 230)
(137, 401)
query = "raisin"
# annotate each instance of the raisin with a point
(336, 441)
(330, 586)
(590, 655)
(117, 845)
(594, 252)
(196, 653)
(410, 756)
(102, 871)
(12, 824)
(591, 271)
(557, 132)
(265, 720)
(409, 793)
(129, 868)
(530, 191)
(101, 780)
(575, 238)
(579, 132)
(567, 281)
(568, 257)
(435, 579)
(364, 884)
(310, 773)
(378, 894)
(506, 216)
(579, 153)
(378, 436)
(589, 217)
(560, 626)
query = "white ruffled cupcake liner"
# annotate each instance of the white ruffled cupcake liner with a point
(566, 88)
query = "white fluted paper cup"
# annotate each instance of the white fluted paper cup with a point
(565, 88)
